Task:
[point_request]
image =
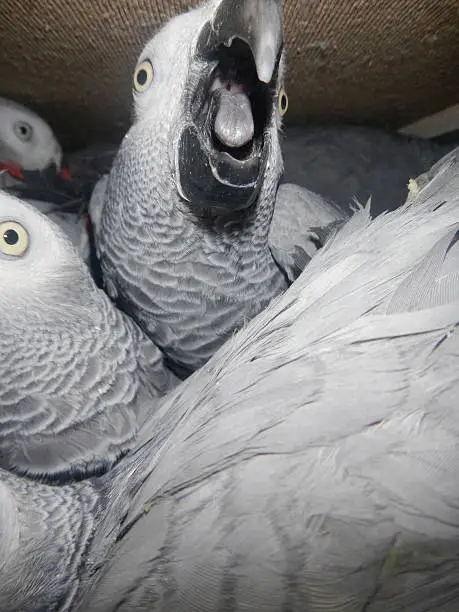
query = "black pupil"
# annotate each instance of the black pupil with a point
(11, 237)
(142, 77)
(283, 102)
(23, 130)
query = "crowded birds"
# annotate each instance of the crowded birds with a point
(30, 167)
(311, 462)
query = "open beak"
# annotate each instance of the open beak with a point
(259, 23)
(222, 154)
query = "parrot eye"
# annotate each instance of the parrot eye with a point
(283, 102)
(23, 130)
(143, 76)
(14, 239)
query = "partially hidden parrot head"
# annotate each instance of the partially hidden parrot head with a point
(208, 89)
(27, 142)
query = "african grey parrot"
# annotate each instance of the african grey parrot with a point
(342, 162)
(27, 142)
(185, 233)
(310, 465)
(77, 377)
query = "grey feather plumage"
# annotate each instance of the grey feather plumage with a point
(45, 533)
(77, 377)
(345, 162)
(190, 271)
(305, 220)
(310, 465)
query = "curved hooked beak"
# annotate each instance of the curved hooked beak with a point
(259, 23)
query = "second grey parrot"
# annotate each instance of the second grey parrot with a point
(185, 233)
(77, 377)
(310, 465)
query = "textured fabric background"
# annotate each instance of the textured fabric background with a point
(383, 62)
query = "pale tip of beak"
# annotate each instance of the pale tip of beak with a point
(265, 63)
(57, 159)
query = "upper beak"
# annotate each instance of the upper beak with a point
(259, 23)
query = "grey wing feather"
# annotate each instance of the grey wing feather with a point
(76, 408)
(66, 452)
(301, 223)
(435, 281)
(312, 463)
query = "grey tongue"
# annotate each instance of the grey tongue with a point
(234, 121)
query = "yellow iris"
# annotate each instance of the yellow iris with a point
(14, 239)
(143, 76)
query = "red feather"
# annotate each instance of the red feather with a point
(13, 168)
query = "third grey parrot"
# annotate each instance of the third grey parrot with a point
(27, 142)
(77, 377)
(185, 233)
(310, 465)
